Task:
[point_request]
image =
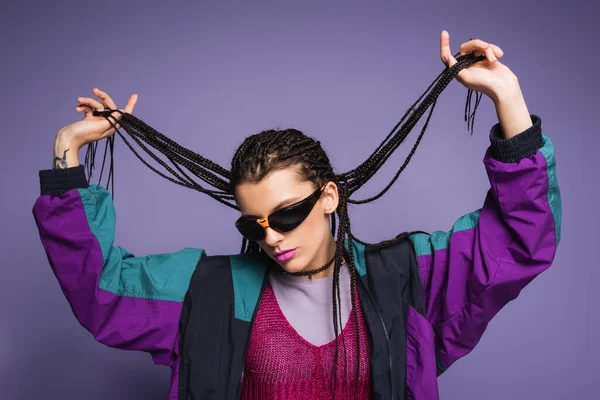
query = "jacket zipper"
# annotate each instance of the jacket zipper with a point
(387, 338)
(241, 382)
(260, 296)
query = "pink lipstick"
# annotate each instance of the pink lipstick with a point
(285, 255)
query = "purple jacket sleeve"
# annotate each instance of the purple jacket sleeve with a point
(125, 301)
(469, 273)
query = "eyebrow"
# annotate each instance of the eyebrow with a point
(279, 206)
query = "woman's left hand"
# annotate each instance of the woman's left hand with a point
(489, 76)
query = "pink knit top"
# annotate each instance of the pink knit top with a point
(281, 364)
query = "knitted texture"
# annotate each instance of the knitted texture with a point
(281, 364)
(55, 182)
(518, 147)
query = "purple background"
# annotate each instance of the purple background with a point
(208, 75)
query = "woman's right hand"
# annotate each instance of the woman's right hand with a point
(90, 129)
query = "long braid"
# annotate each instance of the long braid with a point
(203, 168)
(261, 153)
(359, 176)
(343, 235)
(208, 171)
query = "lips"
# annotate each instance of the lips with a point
(285, 255)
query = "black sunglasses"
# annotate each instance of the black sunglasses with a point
(282, 220)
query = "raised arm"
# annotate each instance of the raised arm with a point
(125, 301)
(470, 272)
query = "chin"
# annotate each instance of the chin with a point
(296, 264)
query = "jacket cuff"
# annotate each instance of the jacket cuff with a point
(57, 181)
(520, 146)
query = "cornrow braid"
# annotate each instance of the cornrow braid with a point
(261, 153)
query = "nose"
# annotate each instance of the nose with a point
(272, 237)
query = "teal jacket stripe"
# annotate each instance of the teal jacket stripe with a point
(155, 276)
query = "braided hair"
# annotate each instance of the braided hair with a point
(264, 152)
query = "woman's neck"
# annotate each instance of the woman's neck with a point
(323, 256)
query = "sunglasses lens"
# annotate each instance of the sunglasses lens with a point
(286, 220)
(290, 217)
(251, 230)
(283, 220)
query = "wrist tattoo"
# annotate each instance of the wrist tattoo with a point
(61, 163)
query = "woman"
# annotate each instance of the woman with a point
(257, 325)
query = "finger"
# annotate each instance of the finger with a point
(83, 109)
(497, 51)
(93, 103)
(86, 110)
(489, 54)
(478, 46)
(116, 116)
(445, 53)
(105, 98)
(131, 103)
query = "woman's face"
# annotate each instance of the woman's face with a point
(311, 241)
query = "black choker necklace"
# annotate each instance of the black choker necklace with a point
(311, 272)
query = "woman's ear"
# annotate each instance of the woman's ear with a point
(330, 198)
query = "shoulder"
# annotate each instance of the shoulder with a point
(397, 254)
(223, 270)
(233, 280)
(393, 269)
